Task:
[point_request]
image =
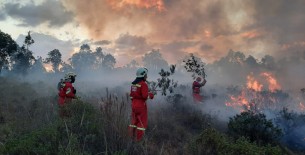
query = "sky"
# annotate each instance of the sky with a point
(130, 28)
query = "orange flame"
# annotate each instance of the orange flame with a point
(118, 4)
(273, 84)
(251, 97)
(240, 101)
(253, 84)
(207, 33)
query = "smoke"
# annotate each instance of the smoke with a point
(51, 12)
(250, 26)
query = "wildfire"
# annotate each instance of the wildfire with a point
(207, 33)
(253, 84)
(48, 67)
(118, 4)
(241, 102)
(252, 97)
(273, 84)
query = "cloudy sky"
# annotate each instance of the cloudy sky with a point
(130, 28)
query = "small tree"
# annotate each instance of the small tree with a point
(84, 60)
(164, 82)
(154, 60)
(195, 65)
(28, 41)
(109, 61)
(99, 55)
(7, 48)
(54, 57)
(38, 66)
(132, 64)
(22, 60)
(254, 126)
(66, 68)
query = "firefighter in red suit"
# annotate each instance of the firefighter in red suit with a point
(196, 89)
(66, 93)
(139, 93)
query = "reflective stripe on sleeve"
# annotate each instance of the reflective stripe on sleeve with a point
(132, 126)
(143, 129)
(68, 91)
(136, 85)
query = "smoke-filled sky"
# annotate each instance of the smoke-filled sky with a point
(130, 28)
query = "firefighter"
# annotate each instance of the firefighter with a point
(196, 89)
(139, 93)
(66, 93)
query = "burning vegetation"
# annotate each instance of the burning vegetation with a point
(256, 96)
(248, 106)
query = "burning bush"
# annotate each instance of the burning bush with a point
(254, 126)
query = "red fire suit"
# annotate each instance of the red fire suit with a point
(66, 94)
(196, 90)
(139, 94)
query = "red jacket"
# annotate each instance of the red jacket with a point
(66, 93)
(197, 86)
(139, 94)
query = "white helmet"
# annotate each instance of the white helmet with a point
(69, 75)
(141, 72)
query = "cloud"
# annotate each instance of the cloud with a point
(45, 43)
(51, 12)
(177, 49)
(280, 18)
(2, 15)
(131, 44)
(206, 47)
(254, 27)
(102, 42)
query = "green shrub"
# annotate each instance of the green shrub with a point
(37, 142)
(254, 126)
(79, 133)
(212, 142)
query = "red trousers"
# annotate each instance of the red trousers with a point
(197, 97)
(63, 109)
(138, 123)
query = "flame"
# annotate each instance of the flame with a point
(207, 33)
(253, 84)
(273, 84)
(48, 67)
(302, 106)
(252, 97)
(240, 102)
(119, 4)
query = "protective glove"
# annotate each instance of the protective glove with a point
(74, 91)
(150, 95)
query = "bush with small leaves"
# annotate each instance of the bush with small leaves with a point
(254, 126)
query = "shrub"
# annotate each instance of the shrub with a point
(212, 142)
(254, 126)
(79, 133)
